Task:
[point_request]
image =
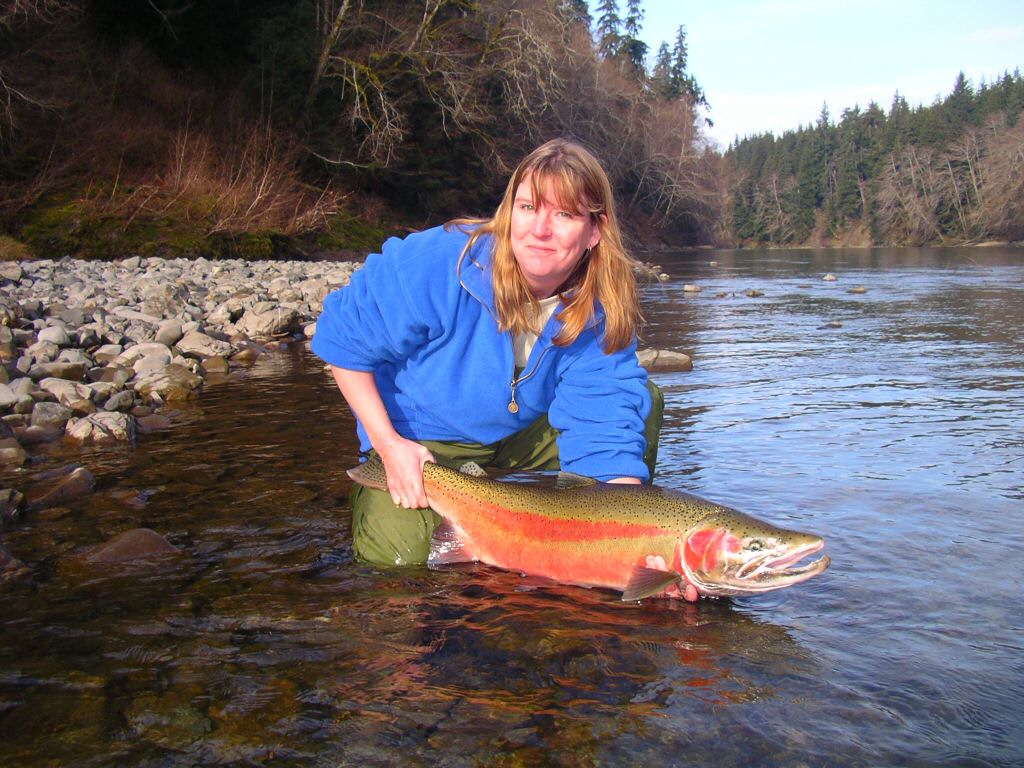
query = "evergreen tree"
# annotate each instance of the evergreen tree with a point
(609, 29)
(631, 46)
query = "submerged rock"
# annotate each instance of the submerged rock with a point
(131, 545)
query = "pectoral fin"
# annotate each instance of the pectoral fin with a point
(645, 582)
(448, 545)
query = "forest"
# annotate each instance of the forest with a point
(950, 172)
(260, 128)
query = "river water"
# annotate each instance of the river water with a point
(882, 410)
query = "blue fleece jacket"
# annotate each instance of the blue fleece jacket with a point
(428, 332)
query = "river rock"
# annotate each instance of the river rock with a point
(171, 384)
(11, 452)
(102, 428)
(11, 568)
(50, 414)
(197, 344)
(12, 503)
(55, 334)
(8, 397)
(169, 332)
(663, 360)
(69, 371)
(268, 323)
(67, 392)
(134, 544)
(69, 484)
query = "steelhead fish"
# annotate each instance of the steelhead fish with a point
(639, 539)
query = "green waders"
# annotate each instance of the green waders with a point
(387, 534)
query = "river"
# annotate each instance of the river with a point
(883, 410)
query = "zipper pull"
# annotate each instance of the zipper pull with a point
(513, 406)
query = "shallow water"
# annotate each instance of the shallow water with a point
(888, 421)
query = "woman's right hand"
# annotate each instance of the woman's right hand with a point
(404, 459)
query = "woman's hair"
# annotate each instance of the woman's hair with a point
(604, 276)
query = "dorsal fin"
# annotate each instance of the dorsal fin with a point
(472, 469)
(567, 480)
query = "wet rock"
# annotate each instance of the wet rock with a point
(11, 568)
(171, 384)
(754, 293)
(690, 288)
(829, 278)
(36, 435)
(153, 422)
(662, 360)
(215, 365)
(71, 483)
(11, 452)
(102, 428)
(134, 544)
(12, 504)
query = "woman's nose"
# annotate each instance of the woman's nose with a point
(542, 223)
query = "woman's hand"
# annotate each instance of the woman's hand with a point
(404, 459)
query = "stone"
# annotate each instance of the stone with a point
(11, 568)
(172, 384)
(8, 397)
(102, 428)
(268, 323)
(664, 361)
(12, 503)
(55, 334)
(69, 371)
(66, 392)
(50, 414)
(134, 544)
(169, 332)
(215, 365)
(120, 401)
(197, 344)
(73, 483)
(153, 422)
(11, 452)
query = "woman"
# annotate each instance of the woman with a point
(508, 341)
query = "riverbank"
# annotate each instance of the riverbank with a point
(93, 352)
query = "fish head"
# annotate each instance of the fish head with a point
(730, 554)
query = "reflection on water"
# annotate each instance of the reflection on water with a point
(887, 420)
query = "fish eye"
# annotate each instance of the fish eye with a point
(755, 545)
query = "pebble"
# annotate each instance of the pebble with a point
(89, 349)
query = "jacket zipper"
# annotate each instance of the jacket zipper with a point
(513, 406)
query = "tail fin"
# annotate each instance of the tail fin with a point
(370, 473)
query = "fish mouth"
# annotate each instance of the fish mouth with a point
(768, 572)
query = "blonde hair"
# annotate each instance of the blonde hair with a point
(604, 276)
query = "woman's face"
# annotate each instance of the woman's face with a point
(548, 241)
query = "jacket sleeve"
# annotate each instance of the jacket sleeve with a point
(372, 320)
(601, 403)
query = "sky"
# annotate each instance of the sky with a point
(770, 65)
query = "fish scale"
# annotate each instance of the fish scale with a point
(641, 540)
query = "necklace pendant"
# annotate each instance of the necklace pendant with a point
(513, 407)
